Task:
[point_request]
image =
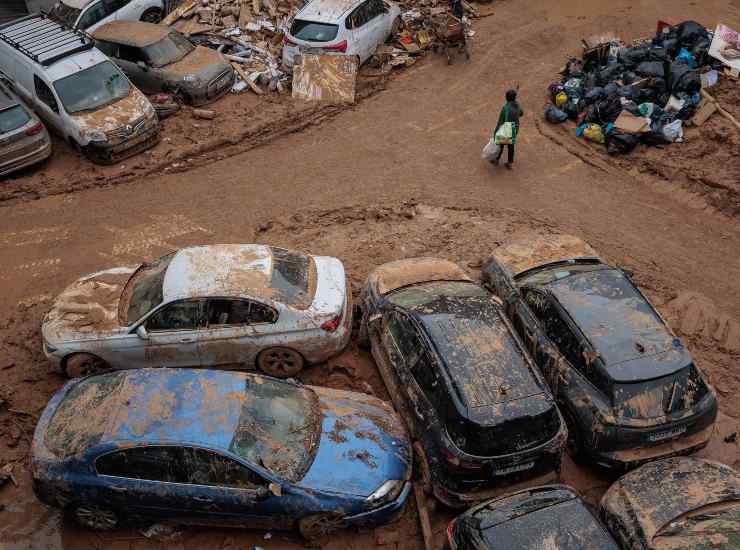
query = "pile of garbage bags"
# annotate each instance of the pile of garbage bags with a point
(623, 95)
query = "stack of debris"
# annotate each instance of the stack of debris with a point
(621, 95)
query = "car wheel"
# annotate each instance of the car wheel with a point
(280, 362)
(315, 527)
(82, 364)
(153, 15)
(95, 517)
(421, 467)
(575, 439)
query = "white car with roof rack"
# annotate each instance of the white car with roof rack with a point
(76, 89)
(350, 27)
(88, 15)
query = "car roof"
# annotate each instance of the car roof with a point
(228, 270)
(530, 251)
(657, 493)
(327, 11)
(7, 98)
(619, 322)
(400, 273)
(132, 33)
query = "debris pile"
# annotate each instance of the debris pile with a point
(620, 95)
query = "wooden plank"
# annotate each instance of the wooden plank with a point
(179, 12)
(426, 526)
(245, 77)
(721, 111)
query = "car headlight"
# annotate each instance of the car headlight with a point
(93, 135)
(189, 78)
(387, 492)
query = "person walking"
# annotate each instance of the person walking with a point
(511, 112)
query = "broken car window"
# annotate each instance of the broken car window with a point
(151, 463)
(314, 32)
(146, 285)
(278, 427)
(170, 49)
(92, 88)
(205, 467)
(293, 276)
(13, 118)
(183, 315)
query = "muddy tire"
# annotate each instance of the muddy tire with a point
(422, 473)
(363, 338)
(280, 362)
(153, 15)
(574, 445)
(83, 364)
(318, 526)
(95, 517)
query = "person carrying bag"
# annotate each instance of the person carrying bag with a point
(507, 128)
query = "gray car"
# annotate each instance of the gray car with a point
(159, 59)
(23, 137)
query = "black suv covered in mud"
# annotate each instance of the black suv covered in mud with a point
(625, 384)
(480, 413)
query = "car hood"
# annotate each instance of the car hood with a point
(88, 307)
(202, 62)
(363, 444)
(111, 117)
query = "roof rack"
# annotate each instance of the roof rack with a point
(44, 39)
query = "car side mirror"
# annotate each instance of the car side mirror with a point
(142, 333)
(143, 66)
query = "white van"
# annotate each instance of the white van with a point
(76, 90)
(88, 15)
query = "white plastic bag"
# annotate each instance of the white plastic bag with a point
(674, 131)
(490, 151)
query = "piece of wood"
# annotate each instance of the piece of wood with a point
(204, 114)
(179, 12)
(256, 7)
(706, 95)
(245, 77)
(426, 526)
(707, 109)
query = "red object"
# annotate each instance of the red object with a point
(663, 27)
(333, 324)
(37, 129)
(288, 41)
(455, 462)
(341, 47)
(451, 531)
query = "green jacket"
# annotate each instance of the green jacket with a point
(511, 112)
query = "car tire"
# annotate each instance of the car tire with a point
(97, 518)
(84, 364)
(363, 338)
(574, 444)
(422, 473)
(152, 15)
(280, 362)
(318, 526)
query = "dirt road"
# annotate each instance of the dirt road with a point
(396, 176)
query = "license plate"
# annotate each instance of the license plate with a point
(513, 469)
(662, 436)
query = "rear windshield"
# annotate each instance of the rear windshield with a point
(718, 522)
(293, 277)
(314, 32)
(65, 13)
(425, 293)
(666, 395)
(170, 49)
(92, 88)
(13, 118)
(81, 418)
(145, 288)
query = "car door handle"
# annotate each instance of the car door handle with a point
(186, 340)
(118, 489)
(203, 499)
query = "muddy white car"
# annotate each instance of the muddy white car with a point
(227, 306)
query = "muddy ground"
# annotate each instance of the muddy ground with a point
(399, 175)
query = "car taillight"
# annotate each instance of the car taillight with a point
(455, 462)
(341, 47)
(36, 129)
(333, 324)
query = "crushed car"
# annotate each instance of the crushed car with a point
(88, 15)
(675, 504)
(479, 412)
(210, 447)
(626, 385)
(350, 27)
(24, 140)
(160, 59)
(231, 306)
(551, 516)
(76, 90)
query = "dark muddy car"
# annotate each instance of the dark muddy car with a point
(159, 59)
(675, 504)
(626, 385)
(479, 412)
(553, 516)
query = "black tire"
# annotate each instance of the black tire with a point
(152, 15)
(84, 364)
(319, 525)
(97, 518)
(280, 362)
(574, 445)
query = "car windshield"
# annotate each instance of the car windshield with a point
(311, 31)
(278, 428)
(718, 525)
(293, 277)
(92, 88)
(65, 13)
(145, 288)
(169, 50)
(425, 293)
(13, 118)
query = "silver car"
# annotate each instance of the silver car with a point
(23, 137)
(228, 306)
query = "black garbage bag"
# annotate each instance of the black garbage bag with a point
(631, 57)
(687, 111)
(672, 47)
(555, 115)
(625, 91)
(631, 107)
(607, 110)
(681, 78)
(611, 89)
(609, 74)
(690, 32)
(571, 109)
(658, 54)
(700, 51)
(651, 68)
(658, 85)
(594, 94)
(645, 95)
(619, 143)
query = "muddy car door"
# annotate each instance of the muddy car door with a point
(228, 339)
(134, 63)
(47, 105)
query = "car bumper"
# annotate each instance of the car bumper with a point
(204, 96)
(111, 154)
(37, 155)
(380, 516)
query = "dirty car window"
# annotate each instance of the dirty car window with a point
(13, 118)
(92, 88)
(65, 13)
(293, 276)
(421, 294)
(314, 32)
(146, 288)
(169, 50)
(720, 526)
(278, 427)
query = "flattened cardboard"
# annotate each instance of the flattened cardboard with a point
(330, 78)
(627, 122)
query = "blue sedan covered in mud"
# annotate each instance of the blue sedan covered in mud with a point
(219, 448)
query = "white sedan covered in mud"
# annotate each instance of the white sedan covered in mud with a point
(227, 306)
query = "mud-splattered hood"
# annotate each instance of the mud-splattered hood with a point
(111, 117)
(363, 444)
(203, 63)
(88, 308)
(649, 498)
